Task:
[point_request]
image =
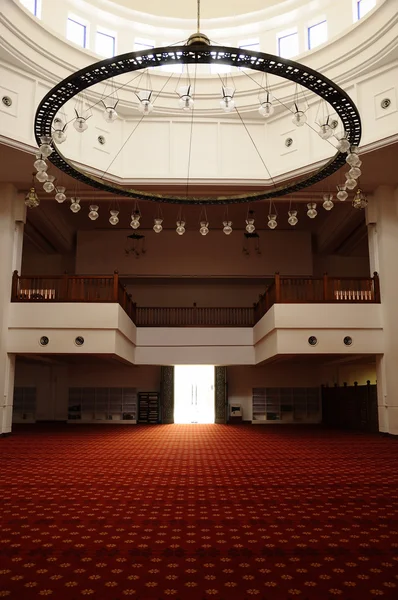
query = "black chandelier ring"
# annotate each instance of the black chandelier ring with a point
(198, 53)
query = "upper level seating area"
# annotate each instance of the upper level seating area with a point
(110, 288)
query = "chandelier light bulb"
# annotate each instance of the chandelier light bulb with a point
(31, 199)
(41, 176)
(180, 229)
(227, 227)
(354, 173)
(40, 165)
(60, 195)
(110, 114)
(353, 158)
(325, 131)
(351, 184)
(227, 103)
(292, 220)
(186, 101)
(49, 185)
(75, 205)
(360, 200)
(135, 220)
(93, 214)
(272, 222)
(80, 124)
(341, 193)
(145, 107)
(114, 219)
(328, 201)
(250, 227)
(59, 136)
(311, 212)
(204, 228)
(158, 225)
(45, 146)
(343, 145)
(266, 109)
(299, 118)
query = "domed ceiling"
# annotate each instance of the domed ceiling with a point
(186, 9)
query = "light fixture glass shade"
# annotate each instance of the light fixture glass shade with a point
(343, 145)
(40, 165)
(266, 109)
(49, 185)
(272, 222)
(354, 173)
(180, 229)
(41, 176)
(312, 212)
(75, 205)
(93, 214)
(292, 220)
(110, 114)
(325, 131)
(145, 106)
(204, 228)
(158, 225)
(135, 220)
(250, 227)
(59, 136)
(227, 227)
(341, 193)
(328, 201)
(299, 118)
(186, 103)
(227, 103)
(60, 195)
(45, 146)
(31, 198)
(114, 219)
(351, 184)
(353, 158)
(80, 124)
(360, 200)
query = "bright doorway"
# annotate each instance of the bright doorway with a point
(193, 394)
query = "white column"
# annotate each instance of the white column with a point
(382, 218)
(12, 218)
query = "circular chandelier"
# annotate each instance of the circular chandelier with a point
(198, 51)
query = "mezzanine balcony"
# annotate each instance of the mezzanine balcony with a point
(110, 288)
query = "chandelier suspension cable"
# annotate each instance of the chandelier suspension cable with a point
(251, 138)
(286, 107)
(198, 16)
(190, 133)
(133, 131)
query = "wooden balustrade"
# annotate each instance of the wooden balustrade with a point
(71, 288)
(194, 316)
(318, 290)
(108, 288)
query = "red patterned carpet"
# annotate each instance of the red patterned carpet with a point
(197, 512)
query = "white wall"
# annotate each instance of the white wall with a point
(101, 252)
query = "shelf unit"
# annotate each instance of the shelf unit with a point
(286, 405)
(102, 405)
(149, 407)
(24, 405)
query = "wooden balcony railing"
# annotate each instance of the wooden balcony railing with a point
(108, 288)
(72, 288)
(318, 290)
(194, 316)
